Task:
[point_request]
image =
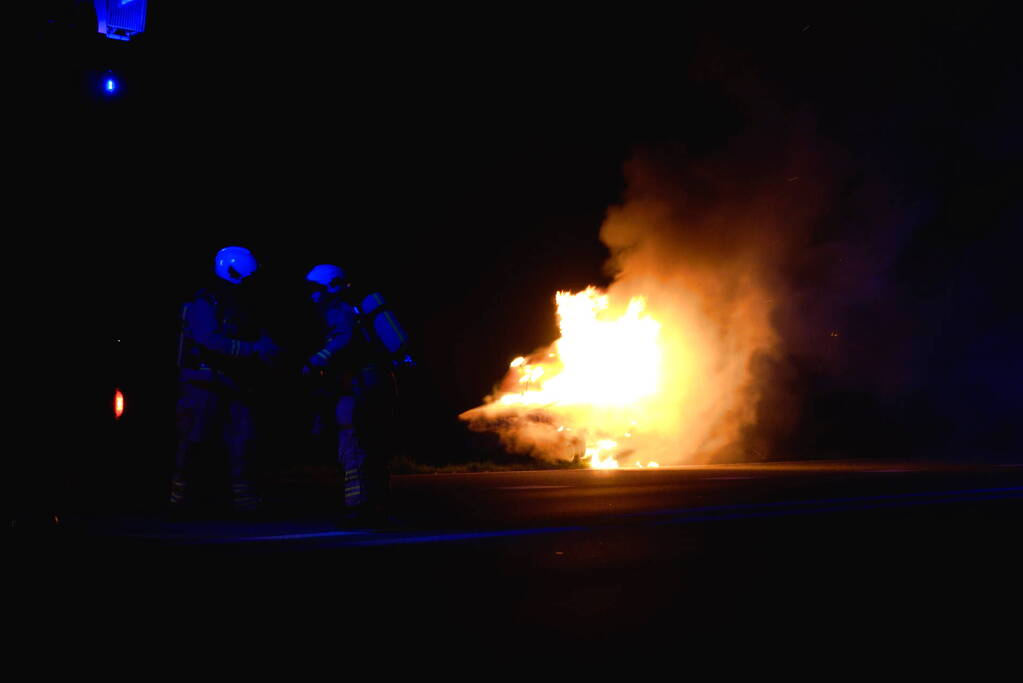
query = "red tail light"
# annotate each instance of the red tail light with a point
(118, 404)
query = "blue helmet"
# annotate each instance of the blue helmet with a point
(330, 277)
(234, 264)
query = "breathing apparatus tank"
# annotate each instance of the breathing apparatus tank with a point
(384, 325)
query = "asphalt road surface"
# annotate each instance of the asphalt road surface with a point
(573, 556)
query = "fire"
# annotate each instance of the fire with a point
(595, 381)
(671, 364)
(596, 361)
(596, 457)
(655, 371)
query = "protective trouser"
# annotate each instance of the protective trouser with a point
(211, 415)
(363, 438)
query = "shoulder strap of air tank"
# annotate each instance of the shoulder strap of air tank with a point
(382, 306)
(374, 313)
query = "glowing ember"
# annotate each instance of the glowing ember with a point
(595, 454)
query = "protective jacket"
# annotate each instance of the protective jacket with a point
(218, 340)
(345, 346)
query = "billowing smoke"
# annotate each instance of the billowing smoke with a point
(704, 243)
(826, 263)
(700, 246)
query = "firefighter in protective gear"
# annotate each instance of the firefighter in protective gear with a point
(357, 383)
(222, 354)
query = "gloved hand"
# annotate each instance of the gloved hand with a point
(266, 350)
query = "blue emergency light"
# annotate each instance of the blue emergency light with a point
(120, 19)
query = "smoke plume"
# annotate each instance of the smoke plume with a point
(825, 267)
(704, 242)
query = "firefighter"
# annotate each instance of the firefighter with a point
(353, 366)
(223, 353)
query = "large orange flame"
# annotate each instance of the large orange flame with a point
(593, 386)
(655, 370)
(596, 361)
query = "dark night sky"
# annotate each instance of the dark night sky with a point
(463, 164)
